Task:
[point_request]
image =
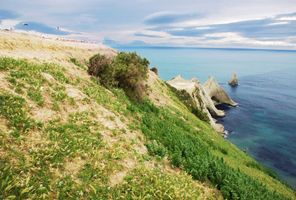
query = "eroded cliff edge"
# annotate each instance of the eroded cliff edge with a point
(205, 97)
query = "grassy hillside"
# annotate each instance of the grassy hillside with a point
(64, 136)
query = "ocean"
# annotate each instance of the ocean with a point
(264, 123)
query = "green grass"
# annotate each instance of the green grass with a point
(61, 141)
(116, 101)
(77, 63)
(35, 94)
(219, 158)
(75, 135)
(154, 184)
(59, 95)
(35, 157)
(13, 109)
(27, 77)
(189, 151)
(255, 165)
(156, 149)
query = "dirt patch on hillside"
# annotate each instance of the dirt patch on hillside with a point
(4, 125)
(48, 77)
(116, 178)
(73, 166)
(43, 114)
(75, 93)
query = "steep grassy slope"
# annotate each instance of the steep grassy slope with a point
(63, 136)
(193, 145)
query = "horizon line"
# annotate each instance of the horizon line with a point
(210, 48)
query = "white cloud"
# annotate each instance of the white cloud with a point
(121, 20)
(150, 33)
(8, 23)
(277, 23)
(291, 18)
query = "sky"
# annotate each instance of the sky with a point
(187, 23)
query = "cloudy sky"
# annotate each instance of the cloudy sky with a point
(191, 23)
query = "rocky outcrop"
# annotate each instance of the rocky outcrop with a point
(200, 97)
(205, 97)
(217, 93)
(234, 81)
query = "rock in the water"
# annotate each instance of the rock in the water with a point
(234, 81)
(217, 93)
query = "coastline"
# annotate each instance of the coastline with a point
(204, 97)
(114, 115)
(263, 124)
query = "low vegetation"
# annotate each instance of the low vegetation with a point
(162, 186)
(155, 70)
(68, 156)
(77, 63)
(188, 151)
(90, 146)
(13, 109)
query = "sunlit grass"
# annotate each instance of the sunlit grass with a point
(68, 158)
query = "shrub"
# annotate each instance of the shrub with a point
(130, 73)
(155, 70)
(156, 149)
(127, 71)
(98, 67)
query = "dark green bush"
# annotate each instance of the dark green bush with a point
(99, 66)
(130, 73)
(156, 149)
(155, 70)
(127, 71)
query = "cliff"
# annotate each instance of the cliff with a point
(200, 97)
(217, 93)
(63, 135)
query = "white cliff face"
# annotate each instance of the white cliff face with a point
(209, 104)
(200, 97)
(203, 96)
(217, 93)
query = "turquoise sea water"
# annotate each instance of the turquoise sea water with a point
(264, 123)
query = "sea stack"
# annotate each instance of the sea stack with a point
(234, 81)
